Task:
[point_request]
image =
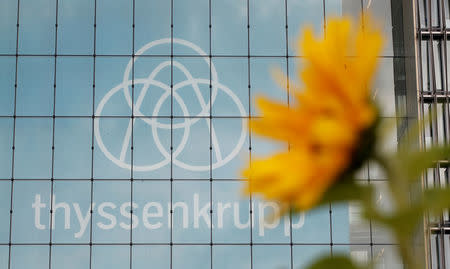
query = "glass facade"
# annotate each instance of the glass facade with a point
(124, 123)
(433, 27)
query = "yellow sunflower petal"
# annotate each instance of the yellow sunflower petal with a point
(325, 123)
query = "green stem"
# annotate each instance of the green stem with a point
(407, 254)
(399, 189)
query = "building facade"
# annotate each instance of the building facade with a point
(432, 53)
(124, 125)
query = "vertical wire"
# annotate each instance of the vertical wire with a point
(171, 134)
(132, 133)
(53, 140)
(330, 211)
(250, 130)
(13, 138)
(92, 136)
(210, 141)
(369, 180)
(288, 103)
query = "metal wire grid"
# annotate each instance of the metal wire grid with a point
(371, 244)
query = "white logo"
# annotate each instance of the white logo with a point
(153, 121)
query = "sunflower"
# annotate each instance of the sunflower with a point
(328, 121)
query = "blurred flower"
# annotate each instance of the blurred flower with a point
(327, 124)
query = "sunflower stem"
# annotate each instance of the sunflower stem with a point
(399, 189)
(407, 254)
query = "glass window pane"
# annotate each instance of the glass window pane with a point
(4, 256)
(74, 86)
(267, 229)
(383, 88)
(73, 140)
(349, 227)
(229, 34)
(75, 27)
(376, 172)
(265, 257)
(191, 212)
(157, 257)
(33, 148)
(231, 217)
(153, 200)
(381, 11)
(388, 143)
(231, 257)
(7, 78)
(112, 150)
(70, 257)
(151, 148)
(35, 86)
(111, 218)
(380, 234)
(362, 173)
(305, 255)
(296, 66)
(37, 26)
(71, 218)
(191, 155)
(302, 14)
(194, 96)
(152, 78)
(113, 257)
(114, 27)
(386, 257)
(31, 212)
(6, 143)
(110, 96)
(36, 257)
(152, 18)
(262, 147)
(229, 147)
(360, 254)
(232, 90)
(191, 23)
(8, 29)
(191, 257)
(334, 8)
(267, 28)
(5, 203)
(262, 82)
(313, 226)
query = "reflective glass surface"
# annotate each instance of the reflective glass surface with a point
(124, 126)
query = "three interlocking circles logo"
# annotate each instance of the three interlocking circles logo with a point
(155, 125)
